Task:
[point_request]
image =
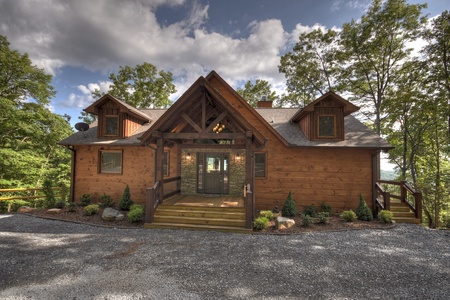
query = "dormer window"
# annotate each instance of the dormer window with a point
(326, 127)
(112, 125)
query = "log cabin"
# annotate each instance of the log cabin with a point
(212, 150)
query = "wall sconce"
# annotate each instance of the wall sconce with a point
(188, 156)
(238, 156)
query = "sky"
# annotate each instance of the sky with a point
(81, 42)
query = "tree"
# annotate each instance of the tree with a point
(311, 67)
(374, 51)
(29, 131)
(252, 93)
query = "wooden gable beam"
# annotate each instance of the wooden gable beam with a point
(216, 121)
(192, 123)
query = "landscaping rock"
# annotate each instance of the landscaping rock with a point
(282, 223)
(54, 211)
(110, 214)
(120, 217)
(25, 209)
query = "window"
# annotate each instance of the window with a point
(112, 125)
(326, 126)
(111, 162)
(166, 164)
(260, 165)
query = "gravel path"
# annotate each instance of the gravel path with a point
(43, 259)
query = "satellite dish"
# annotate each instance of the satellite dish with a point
(82, 127)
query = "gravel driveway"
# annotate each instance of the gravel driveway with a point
(43, 259)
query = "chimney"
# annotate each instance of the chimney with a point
(264, 102)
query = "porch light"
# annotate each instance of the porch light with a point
(188, 156)
(238, 156)
(218, 128)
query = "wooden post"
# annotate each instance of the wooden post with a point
(387, 201)
(63, 192)
(403, 192)
(149, 204)
(159, 164)
(249, 199)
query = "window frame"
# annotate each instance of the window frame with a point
(265, 165)
(106, 125)
(333, 136)
(100, 162)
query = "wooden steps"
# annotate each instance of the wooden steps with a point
(200, 218)
(402, 213)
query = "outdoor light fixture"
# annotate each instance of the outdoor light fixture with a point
(238, 156)
(188, 156)
(218, 128)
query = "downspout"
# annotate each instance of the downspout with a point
(375, 177)
(72, 173)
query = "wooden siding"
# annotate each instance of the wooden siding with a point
(130, 125)
(306, 125)
(138, 172)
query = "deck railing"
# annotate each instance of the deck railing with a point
(398, 190)
(153, 196)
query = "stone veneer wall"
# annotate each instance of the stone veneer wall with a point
(189, 170)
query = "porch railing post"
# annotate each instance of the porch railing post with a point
(149, 205)
(403, 191)
(248, 207)
(387, 200)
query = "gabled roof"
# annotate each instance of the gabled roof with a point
(348, 106)
(124, 107)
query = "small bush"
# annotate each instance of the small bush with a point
(136, 213)
(363, 211)
(60, 204)
(260, 223)
(310, 210)
(323, 217)
(106, 201)
(306, 220)
(91, 209)
(72, 207)
(325, 208)
(125, 202)
(349, 216)
(289, 207)
(267, 214)
(85, 199)
(385, 216)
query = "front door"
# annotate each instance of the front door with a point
(216, 173)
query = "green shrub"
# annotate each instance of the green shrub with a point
(385, 216)
(289, 207)
(349, 216)
(72, 207)
(325, 208)
(125, 202)
(310, 210)
(106, 201)
(306, 220)
(260, 223)
(363, 211)
(50, 200)
(85, 199)
(3, 207)
(91, 209)
(136, 213)
(60, 204)
(267, 214)
(323, 217)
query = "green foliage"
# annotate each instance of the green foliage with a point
(72, 207)
(310, 210)
(325, 208)
(125, 202)
(50, 200)
(385, 216)
(85, 199)
(91, 209)
(323, 217)
(13, 205)
(349, 216)
(260, 223)
(136, 213)
(30, 131)
(252, 93)
(60, 204)
(106, 201)
(363, 211)
(306, 220)
(267, 214)
(289, 207)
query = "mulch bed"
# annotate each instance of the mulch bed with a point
(335, 223)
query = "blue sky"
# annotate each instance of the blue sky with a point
(81, 42)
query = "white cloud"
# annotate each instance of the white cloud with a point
(86, 97)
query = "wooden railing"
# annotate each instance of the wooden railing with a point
(30, 194)
(153, 196)
(398, 190)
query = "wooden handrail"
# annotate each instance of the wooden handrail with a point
(386, 204)
(151, 202)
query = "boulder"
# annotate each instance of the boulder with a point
(110, 214)
(25, 209)
(54, 211)
(120, 217)
(283, 222)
